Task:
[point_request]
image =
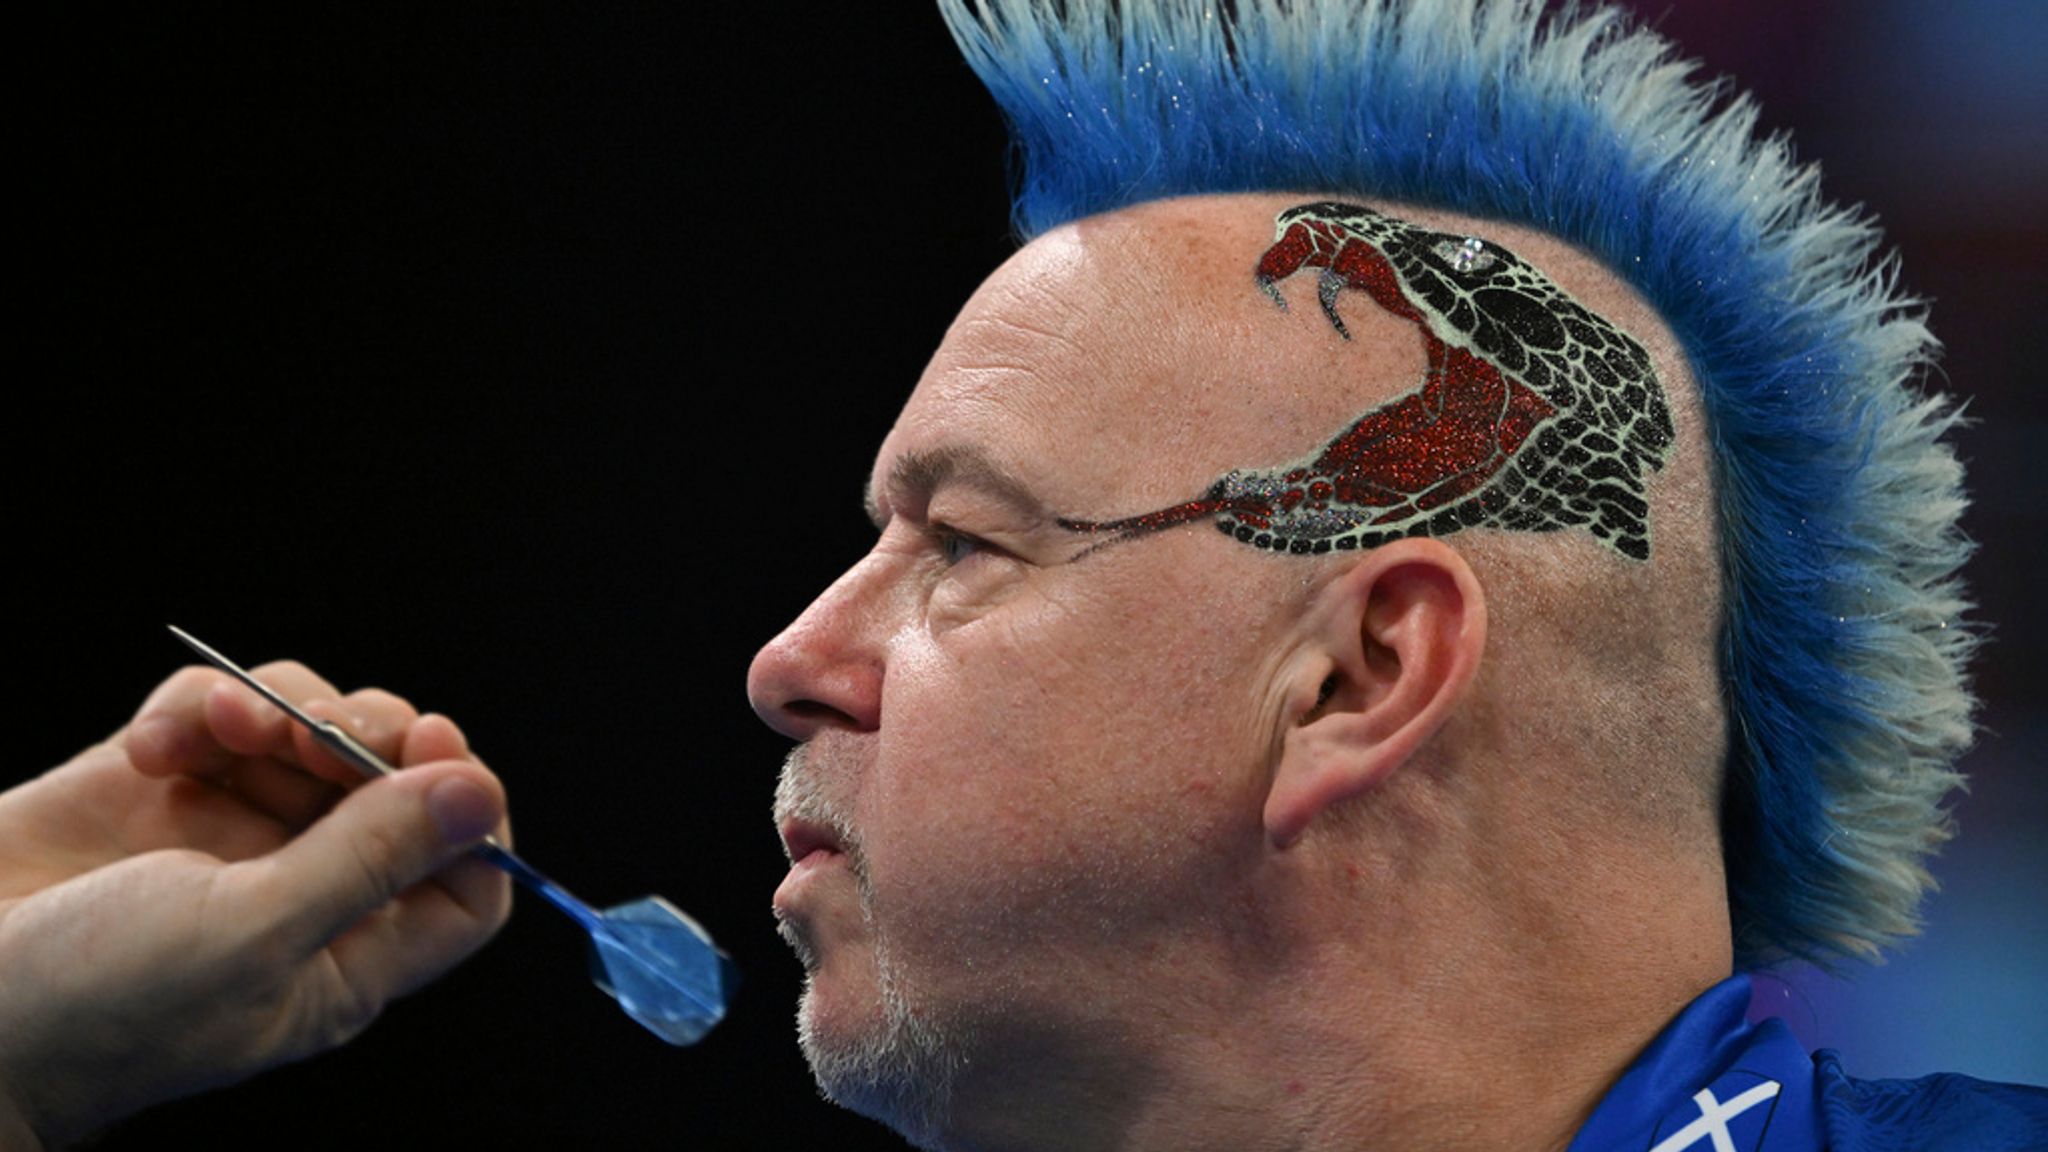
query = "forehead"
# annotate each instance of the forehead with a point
(1129, 359)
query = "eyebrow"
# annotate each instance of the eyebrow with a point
(917, 475)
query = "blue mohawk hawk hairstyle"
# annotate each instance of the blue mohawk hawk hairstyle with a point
(1842, 646)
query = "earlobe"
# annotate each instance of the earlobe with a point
(1395, 641)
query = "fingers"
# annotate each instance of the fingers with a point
(170, 734)
(198, 721)
(203, 723)
(431, 926)
(435, 737)
(376, 718)
(429, 930)
(280, 790)
(302, 789)
(374, 848)
(251, 725)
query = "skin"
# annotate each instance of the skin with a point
(246, 899)
(1175, 844)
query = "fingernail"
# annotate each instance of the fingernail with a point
(462, 810)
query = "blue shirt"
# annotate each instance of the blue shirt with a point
(1714, 1082)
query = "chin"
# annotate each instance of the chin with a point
(892, 1066)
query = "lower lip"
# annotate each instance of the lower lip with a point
(802, 873)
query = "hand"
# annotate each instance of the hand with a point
(209, 893)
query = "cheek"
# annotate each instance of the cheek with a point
(1065, 755)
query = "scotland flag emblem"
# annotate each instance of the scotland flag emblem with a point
(1730, 1115)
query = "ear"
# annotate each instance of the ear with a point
(1394, 643)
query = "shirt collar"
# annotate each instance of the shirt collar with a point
(1711, 1080)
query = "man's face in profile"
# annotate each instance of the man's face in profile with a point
(1033, 769)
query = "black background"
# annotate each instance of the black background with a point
(526, 362)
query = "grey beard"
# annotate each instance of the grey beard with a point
(903, 1073)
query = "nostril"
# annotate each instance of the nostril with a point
(804, 717)
(813, 712)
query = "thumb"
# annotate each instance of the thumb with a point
(385, 837)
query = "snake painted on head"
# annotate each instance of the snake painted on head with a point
(1534, 414)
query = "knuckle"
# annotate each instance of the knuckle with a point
(293, 676)
(385, 707)
(181, 690)
(194, 679)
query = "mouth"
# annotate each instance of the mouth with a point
(814, 850)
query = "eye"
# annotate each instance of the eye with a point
(955, 545)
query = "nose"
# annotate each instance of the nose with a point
(825, 670)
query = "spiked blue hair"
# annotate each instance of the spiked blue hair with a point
(1842, 650)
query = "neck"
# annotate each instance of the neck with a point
(1377, 1037)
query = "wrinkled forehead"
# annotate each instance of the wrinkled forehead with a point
(1129, 359)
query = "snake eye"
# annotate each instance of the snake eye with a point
(1465, 256)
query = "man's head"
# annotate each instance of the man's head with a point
(1087, 775)
(1841, 645)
